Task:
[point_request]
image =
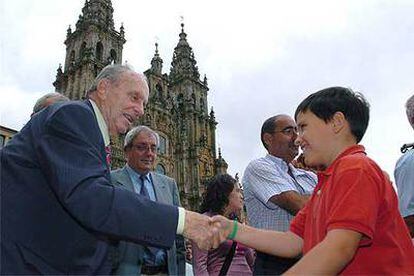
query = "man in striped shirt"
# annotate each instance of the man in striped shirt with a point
(274, 189)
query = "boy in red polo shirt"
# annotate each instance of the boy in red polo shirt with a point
(351, 224)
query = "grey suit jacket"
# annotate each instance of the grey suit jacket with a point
(130, 255)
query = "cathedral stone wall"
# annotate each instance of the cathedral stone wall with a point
(177, 108)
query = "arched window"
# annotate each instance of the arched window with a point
(180, 102)
(160, 169)
(158, 89)
(72, 56)
(202, 105)
(95, 70)
(99, 51)
(113, 56)
(162, 149)
(82, 50)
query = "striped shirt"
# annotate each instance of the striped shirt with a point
(404, 178)
(266, 177)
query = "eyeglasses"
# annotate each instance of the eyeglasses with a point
(289, 131)
(144, 148)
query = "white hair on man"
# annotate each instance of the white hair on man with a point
(134, 132)
(48, 99)
(112, 73)
(410, 110)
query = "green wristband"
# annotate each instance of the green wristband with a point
(234, 231)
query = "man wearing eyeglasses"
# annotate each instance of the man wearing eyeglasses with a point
(140, 148)
(274, 190)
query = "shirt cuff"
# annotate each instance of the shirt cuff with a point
(181, 220)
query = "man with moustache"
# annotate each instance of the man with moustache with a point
(274, 189)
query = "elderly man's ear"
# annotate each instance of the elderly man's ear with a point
(102, 88)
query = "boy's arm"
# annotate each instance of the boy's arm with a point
(330, 256)
(282, 244)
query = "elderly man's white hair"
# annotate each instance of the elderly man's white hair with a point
(112, 73)
(130, 136)
(48, 99)
(410, 110)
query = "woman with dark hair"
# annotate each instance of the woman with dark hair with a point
(223, 196)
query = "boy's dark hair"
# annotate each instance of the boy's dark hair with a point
(325, 103)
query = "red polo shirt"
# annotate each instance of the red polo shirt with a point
(354, 194)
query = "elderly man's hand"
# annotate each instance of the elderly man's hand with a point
(226, 225)
(203, 231)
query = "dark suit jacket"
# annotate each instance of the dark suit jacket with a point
(130, 255)
(58, 207)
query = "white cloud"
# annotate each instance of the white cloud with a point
(16, 106)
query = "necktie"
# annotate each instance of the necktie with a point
(144, 192)
(108, 155)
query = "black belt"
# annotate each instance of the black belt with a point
(152, 270)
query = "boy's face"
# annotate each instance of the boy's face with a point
(315, 137)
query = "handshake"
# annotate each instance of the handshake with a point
(206, 232)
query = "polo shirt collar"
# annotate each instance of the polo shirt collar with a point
(348, 151)
(101, 123)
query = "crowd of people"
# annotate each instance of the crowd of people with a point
(332, 210)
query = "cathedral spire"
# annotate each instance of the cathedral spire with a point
(90, 46)
(221, 164)
(156, 62)
(96, 12)
(183, 64)
(205, 80)
(122, 30)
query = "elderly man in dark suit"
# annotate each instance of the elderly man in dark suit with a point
(140, 148)
(59, 209)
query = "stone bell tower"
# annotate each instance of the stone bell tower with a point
(89, 48)
(178, 110)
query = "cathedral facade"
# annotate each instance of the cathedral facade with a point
(177, 108)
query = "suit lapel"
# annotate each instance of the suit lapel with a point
(124, 180)
(160, 188)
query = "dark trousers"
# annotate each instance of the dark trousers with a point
(271, 265)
